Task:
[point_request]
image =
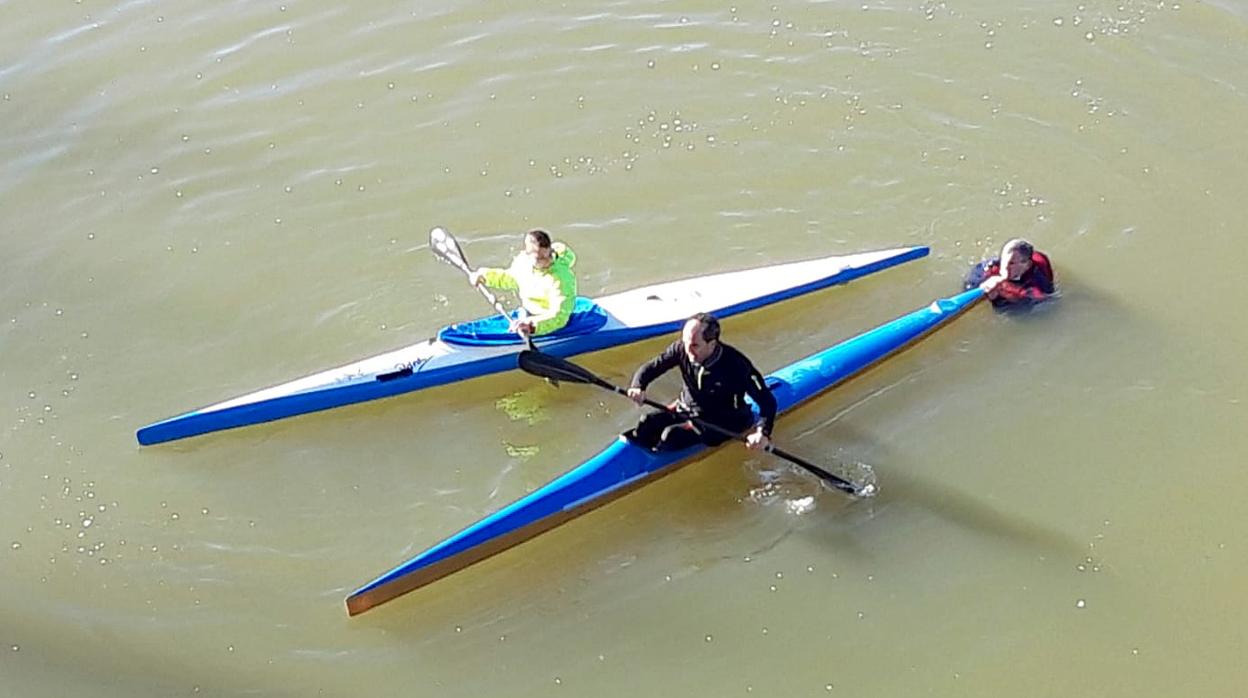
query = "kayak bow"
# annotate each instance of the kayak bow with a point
(485, 346)
(623, 467)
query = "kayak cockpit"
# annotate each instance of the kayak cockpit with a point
(587, 316)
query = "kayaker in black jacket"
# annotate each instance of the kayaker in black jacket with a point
(717, 378)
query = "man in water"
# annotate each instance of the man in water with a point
(1022, 275)
(542, 277)
(717, 378)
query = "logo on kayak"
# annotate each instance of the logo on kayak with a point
(403, 370)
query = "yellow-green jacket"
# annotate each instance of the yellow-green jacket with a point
(547, 294)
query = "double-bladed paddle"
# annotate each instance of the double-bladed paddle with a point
(446, 248)
(555, 368)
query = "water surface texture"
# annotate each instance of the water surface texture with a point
(201, 199)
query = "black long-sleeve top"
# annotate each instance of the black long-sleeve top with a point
(716, 388)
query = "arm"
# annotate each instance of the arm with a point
(493, 277)
(1013, 292)
(757, 389)
(647, 372)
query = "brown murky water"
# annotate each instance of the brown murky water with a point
(199, 200)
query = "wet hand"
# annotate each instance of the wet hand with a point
(637, 395)
(522, 326)
(989, 286)
(757, 440)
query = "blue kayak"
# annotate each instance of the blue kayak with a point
(622, 467)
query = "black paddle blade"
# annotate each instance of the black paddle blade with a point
(556, 369)
(446, 248)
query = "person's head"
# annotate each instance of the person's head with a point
(1016, 258)
(537, 246)
(700, 336)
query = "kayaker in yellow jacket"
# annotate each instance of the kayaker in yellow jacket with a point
(543, 279)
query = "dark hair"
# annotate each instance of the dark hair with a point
(710, 326)
(541, 237)
(1021, 246)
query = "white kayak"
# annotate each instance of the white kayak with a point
(485, 346)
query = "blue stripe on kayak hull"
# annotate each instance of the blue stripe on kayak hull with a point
(207, 420)
(622, 467)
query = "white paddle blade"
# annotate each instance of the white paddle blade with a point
(447, 249)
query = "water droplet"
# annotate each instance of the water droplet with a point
(1080, 603)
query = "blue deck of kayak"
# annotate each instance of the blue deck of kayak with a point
(495, 330)
(622, 465)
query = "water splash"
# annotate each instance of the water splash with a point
(864, 479)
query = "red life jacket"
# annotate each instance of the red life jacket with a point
(1035, 284)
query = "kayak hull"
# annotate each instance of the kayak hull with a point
(623, 467)
(631, 316)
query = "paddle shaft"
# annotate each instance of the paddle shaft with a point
(839, 483)
(461, 262)
(493, 300)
